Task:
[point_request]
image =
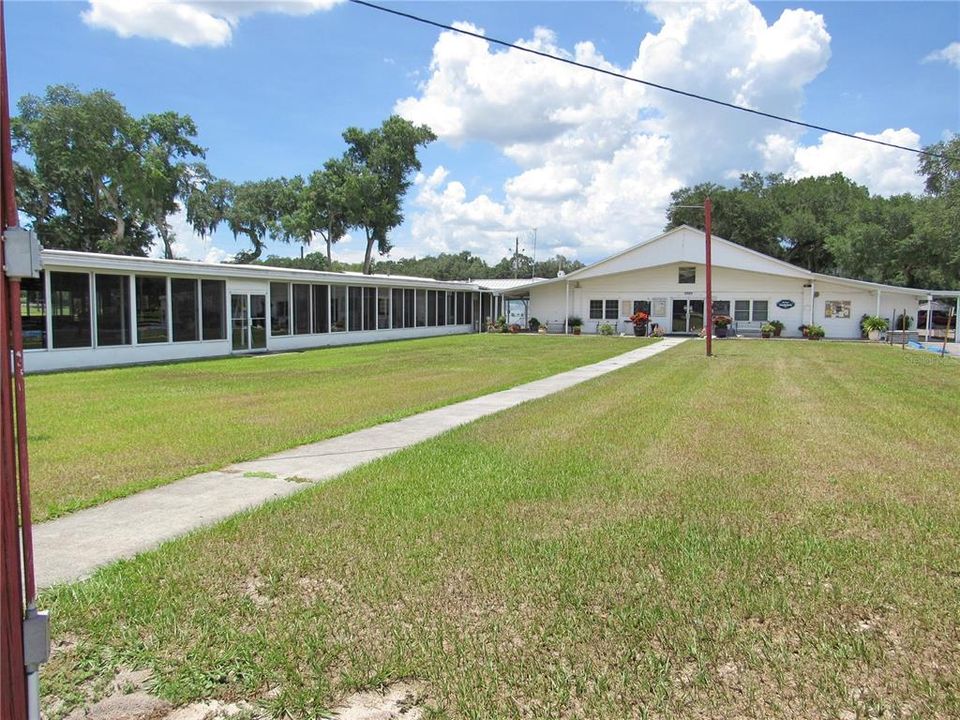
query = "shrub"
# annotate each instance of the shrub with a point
(776, 325)
(573, 321)
(534, 324)
(605, 329)
(816, 331)
(904, 322)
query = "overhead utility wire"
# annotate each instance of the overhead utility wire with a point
(667, 88)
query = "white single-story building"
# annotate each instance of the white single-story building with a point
(93, 310)
(664, 276)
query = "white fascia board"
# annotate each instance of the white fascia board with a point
(69, 259)
(919, 292)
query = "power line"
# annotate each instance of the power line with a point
(648, 83)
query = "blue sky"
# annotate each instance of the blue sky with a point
(587, 162)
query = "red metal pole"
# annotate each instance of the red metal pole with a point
(708, 306)
(13, 690)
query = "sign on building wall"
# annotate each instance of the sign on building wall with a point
(785, 304)
(659, 307)
(836, 309)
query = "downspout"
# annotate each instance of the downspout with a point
(878, 303)
(929, 315)
(566, 313)
(813, 299)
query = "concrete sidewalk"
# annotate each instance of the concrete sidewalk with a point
(72, 547)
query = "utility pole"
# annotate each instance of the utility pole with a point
(516, 257)
(533, 270)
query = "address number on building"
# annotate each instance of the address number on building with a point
(785, 304)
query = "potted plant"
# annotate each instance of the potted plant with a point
(815, 332)
(575, 324)
(640, 320)
(804, 330)
(534, 325)
(720, 325)
(657, 331)
(874, 325)
(766, 330)
(606, 329)
(777, 326)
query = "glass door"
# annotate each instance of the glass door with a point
(258, 322)
(248, 321)
(687, 316)
(239, 323)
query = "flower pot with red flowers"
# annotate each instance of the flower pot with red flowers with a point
(640, 319)
(720, 325)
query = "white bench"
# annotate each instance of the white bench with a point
(747, 328)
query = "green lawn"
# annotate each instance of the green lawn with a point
(103, 434)
(773, 533)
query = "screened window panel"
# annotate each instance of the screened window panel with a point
(441, 308)
(461, 303)
(759, 310)
(33, 313)
(431, 308)
(421, 308)
(596, 309)
(279, 308)
(213, 309)
(451, 308)
(186, 308)
(397, 309)
(370, 308)
(152, 308)
(610, 310)
(355, 308)
(113, 309)
(301, 309)
(741, 310)
(383, 308)
(321, 321)
(408, 300)
(70, 307)
(468, 308)
(338, 308)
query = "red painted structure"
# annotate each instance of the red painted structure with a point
(17, 591)
(708, 305)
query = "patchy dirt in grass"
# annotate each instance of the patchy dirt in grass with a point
(401, 701)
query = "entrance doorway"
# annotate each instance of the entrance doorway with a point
(687, 316)
(248, 324)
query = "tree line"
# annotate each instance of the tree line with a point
(102, 180)
(445, 266)
(834, 226)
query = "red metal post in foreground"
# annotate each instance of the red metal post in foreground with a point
(708, 306)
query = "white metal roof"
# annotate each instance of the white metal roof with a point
(126, 263)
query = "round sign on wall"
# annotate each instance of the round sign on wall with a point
(785, 304)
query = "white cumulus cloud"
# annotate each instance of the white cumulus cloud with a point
(188, 22)
(949, 54)
(597, 157)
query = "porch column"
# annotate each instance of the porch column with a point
(929, 315)
(566, 309)
(956, 322)
(813, 300)
(878, 303)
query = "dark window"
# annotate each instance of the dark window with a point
(441, 307)
(213, 309)
(338, 308)
(301, 309)
(741, 310)
(383, 308)
(279, 308)
(451, 308)
(70, 308)
(421, 308)
(33, 313)
(369, 308)
(641, 306)
(596, 309)
(151, 309)
(408, 308)
(113, 309)
(431, 307)
(610, 310)
(468, 308)
(397, 309)
(759, 310)
(185, 309)
(320, 300)
(355, 308)
(721, 307)
(687, 275)
(461, 307)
